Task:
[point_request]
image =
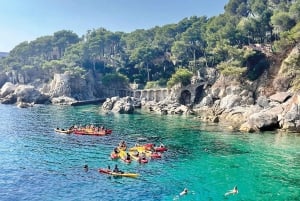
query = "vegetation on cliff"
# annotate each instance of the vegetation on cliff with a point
(227, 42)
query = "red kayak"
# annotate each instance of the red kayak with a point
(160, 149)
(126, 160)
(148, 146)
(155, 155)
(113, 155)
(143, 160)
(92, 132)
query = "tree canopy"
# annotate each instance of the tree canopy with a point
(154, 55)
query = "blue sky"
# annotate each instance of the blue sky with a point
(25, 20)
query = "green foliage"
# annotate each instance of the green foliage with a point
(231, 68)
(288, 38)
(152, 85)
(291, 68)
(155, 54)
(27, 67)
(114, 79)
(182, 76)
(242, 62)
(282, 21)
(237, 7)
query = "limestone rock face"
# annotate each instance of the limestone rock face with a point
(11, 94)
(230, 101)
(74, 87)
(207, 101)
(60, 86)
(3, 79)
(263, 102)
(62, 100)
(290, 118)
(280, 97)
(7, 88)
(119, 105)
(29, 94)
(264, 120)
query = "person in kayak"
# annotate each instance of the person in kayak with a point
(128, 158)
(123, 145)
(233, 191)
(116, 169)
(116, 150)
(86, 168)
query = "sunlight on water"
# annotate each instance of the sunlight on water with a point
(39, 164)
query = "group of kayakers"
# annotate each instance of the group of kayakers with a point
(88, 129)
(140, 153)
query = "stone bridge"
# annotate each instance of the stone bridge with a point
(191, 94)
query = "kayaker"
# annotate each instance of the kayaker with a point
(233, 191)
(184, 192)
(116, 150)
(128, 157)
(122, 145)
(116, 169)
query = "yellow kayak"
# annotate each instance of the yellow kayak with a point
(138, 148)
(124, 174)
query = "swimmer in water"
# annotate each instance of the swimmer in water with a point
(233, 191)
(184, 192)
(86, 168)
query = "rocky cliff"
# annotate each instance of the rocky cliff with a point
(269, 103)
(21, 89)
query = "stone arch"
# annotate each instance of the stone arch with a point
(158, 95)
(185, 97)
(199, 94)
(165, 94)
(151, 95)
(137, 94)
(144, 94)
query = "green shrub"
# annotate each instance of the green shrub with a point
(231, 68)
(182, 76)
(115, 79)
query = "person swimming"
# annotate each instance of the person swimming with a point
(184, 192)
(233, 191)
(86, 168)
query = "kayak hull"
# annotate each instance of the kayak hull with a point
(118, 174)
(92, 132)
(63, 131)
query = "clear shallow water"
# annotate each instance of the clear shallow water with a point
(39, 164)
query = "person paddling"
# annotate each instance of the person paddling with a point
(116, 169)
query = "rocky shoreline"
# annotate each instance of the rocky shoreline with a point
(261, 105)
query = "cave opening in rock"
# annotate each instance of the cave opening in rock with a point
(199, 94)
(185, 97)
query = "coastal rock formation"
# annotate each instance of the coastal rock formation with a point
(11, 94)
(119, 105)
(3, 79)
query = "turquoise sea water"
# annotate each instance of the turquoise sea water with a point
(39, 164)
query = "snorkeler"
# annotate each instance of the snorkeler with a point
(233, 191)
(184, 192)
